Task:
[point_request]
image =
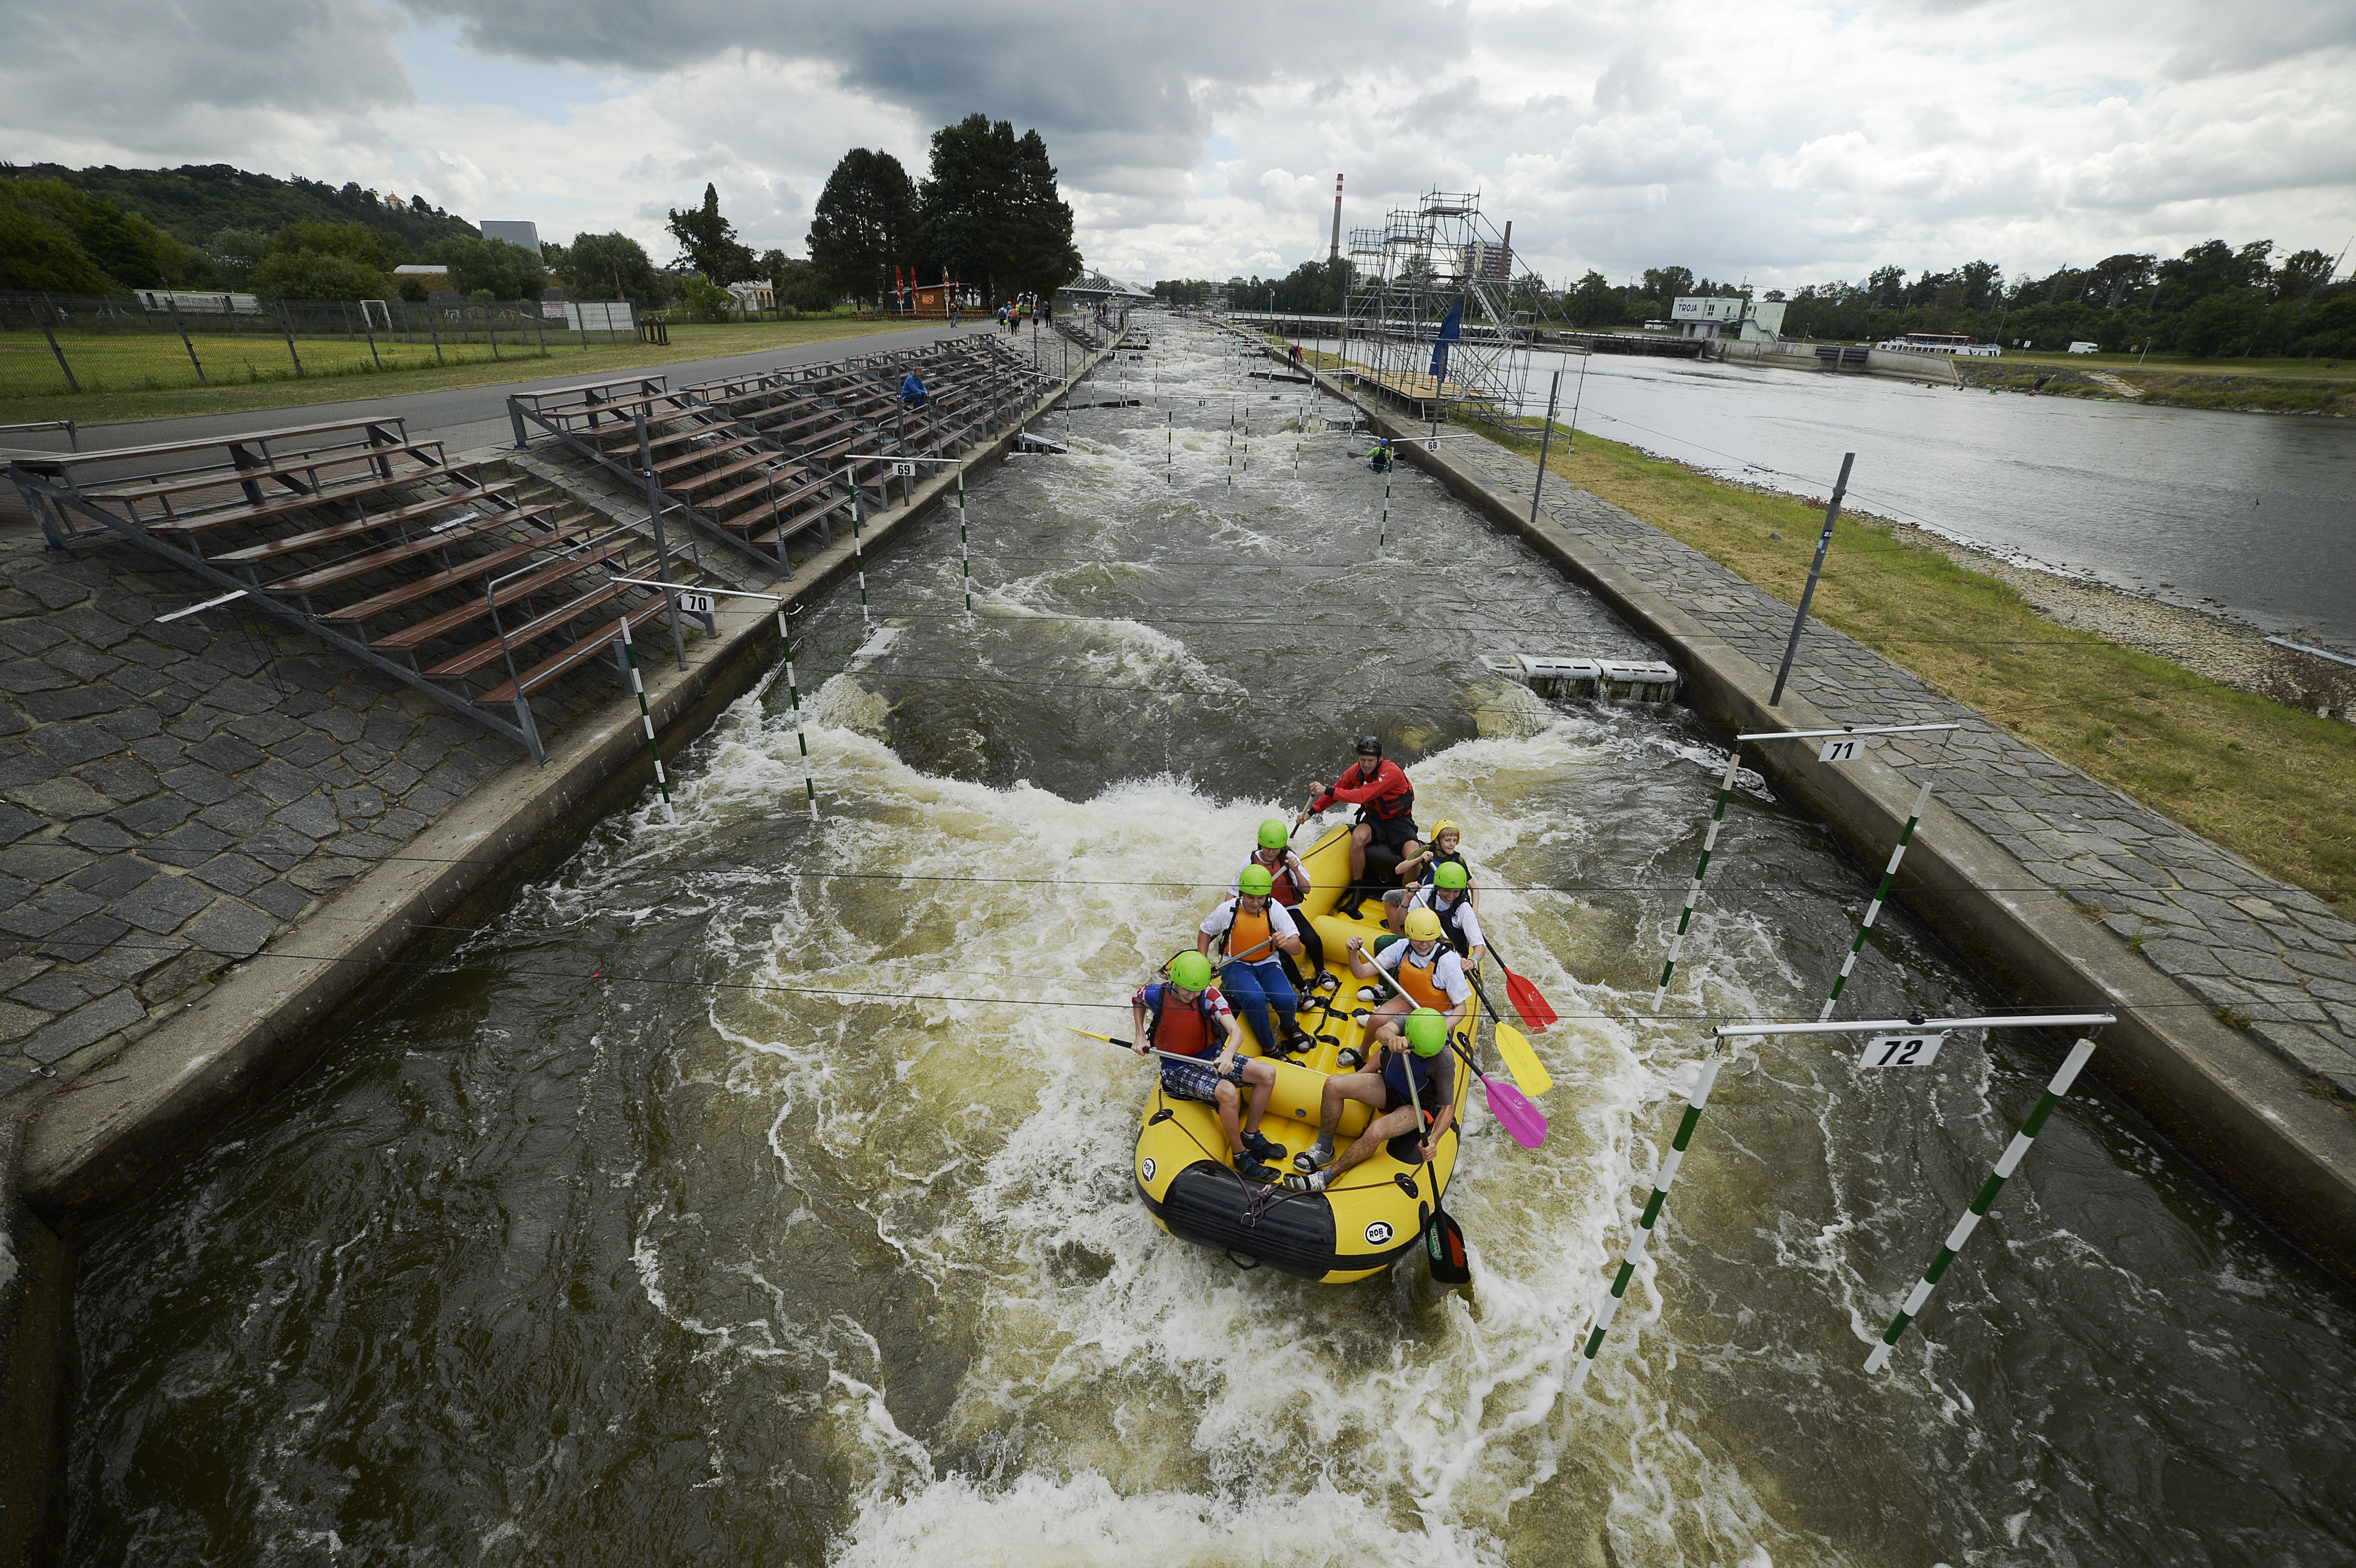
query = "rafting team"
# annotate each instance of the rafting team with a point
(1432, 934)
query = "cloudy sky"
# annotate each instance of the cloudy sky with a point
(1781, 144)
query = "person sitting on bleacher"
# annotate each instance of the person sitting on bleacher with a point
(912, 390)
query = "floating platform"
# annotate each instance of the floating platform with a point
(1624, 680)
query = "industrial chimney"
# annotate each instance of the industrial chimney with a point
(1337, 218)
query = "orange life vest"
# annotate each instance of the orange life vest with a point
(1421, 983)
(1247, 938)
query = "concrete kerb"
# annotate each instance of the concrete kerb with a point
(92, 1141)
(2234, 1109)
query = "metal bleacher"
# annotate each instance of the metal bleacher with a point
(478, 591)
(486, 591)
(756, 461)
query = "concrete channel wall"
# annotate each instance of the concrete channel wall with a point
(2264, 1108)
(126, 1102)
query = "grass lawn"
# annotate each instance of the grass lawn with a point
(144, 376)
(2274, 785)
(2343, 369)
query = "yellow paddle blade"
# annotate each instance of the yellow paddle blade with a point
(1520, 1060)
(1109, 1041)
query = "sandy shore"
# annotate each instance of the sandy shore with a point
(2229, 652)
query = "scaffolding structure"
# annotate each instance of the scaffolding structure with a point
(1406, 277)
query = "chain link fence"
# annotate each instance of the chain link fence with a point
(157, 339)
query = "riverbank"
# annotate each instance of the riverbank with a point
(2173, 718)
(2313, 393)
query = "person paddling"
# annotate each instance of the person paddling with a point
(1418, 1046)
(1450, 897)
(1446, 847)
(1385, 833)
(1275, 855)
(1255, 929)
(1187, 1017)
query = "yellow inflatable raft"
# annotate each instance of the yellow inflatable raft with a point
(1376, 1214)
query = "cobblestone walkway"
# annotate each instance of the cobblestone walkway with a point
(172, 794)
(2234, 937)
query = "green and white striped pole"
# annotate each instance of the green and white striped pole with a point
(1880, 895)
(858, 549)
(965, 561)
(1382, 540)
(647, 718)
(2010, 1162)
(1651, 1217)
(1169, 447)
(794, 696)
(1693, 888)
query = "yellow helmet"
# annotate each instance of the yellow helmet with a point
(1422, 926)
(1444, 826)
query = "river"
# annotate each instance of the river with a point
(739, 1196)
(2244, 515)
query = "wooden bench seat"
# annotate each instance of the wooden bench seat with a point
(393, 555)
(547, 623)
(280, 469)
(756, 489)
(576, 653)
(474, 567)
(473, 610)
(688, 484)
(259, 512)
(367, 523)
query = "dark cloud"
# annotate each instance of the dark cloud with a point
(142, 75)
(1107, 86)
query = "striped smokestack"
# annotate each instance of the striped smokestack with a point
(1337, 218)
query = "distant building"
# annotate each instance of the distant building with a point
(1709, 316)
(755, 296)
(515, 232)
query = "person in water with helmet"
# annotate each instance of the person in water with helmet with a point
(1274, 855)
(1186, 1017)
(1255, 929)
(1386, 831)
(1379, 459)
(1450, 897)
(1417, 1046)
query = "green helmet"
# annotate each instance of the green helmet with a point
(1256, 881)
(1427, 1033)
(1273, 835)
(1450, 876)
(1190, 971)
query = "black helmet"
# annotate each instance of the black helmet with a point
(1370, 745)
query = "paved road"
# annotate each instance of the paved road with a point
(464, 417)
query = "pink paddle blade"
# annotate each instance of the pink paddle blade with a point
(1524, 1123)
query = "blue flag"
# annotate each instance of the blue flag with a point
(1451, 327)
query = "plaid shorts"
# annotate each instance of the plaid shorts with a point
(1193, 1077)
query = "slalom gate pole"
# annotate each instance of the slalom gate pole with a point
(2005, 1167)
(794, 696)
(1693, 888)
(1645, 1223)
(1383, 539)
(965, 562)
(857, 547)
(1169, 447)
(646, 717)
(1880, 895)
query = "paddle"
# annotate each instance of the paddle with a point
(1513, 1049)
(1524, 997)
(1443, 1239)
(1524, 1121)
(1129, 1045)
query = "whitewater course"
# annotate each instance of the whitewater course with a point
(739, 1193)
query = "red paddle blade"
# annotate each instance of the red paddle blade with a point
(1524, 1121)
(1528, 1002)
(1443, 1248)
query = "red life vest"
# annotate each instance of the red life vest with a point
(1281, 875)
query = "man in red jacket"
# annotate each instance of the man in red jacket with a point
(1386, 830)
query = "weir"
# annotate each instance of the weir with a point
(734, 1179)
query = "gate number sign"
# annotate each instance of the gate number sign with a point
(1901, 1050)
(903, 471)
(1431, 445)
(1838, 750)
(695, 603)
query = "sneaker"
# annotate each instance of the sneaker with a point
(1314, 1182)
(1260, 1144)
(1316, 1157)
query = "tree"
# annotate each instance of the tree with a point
(989, 206)
(864, 224)
(707, 301)
(1594, 302)
(708, 242)
(2301, 274)
(239, 247)
(613, 266)
(308, 275)
(38, 250)
(1663, 285)
(125, 246)
(505, 272)
(354, 242)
